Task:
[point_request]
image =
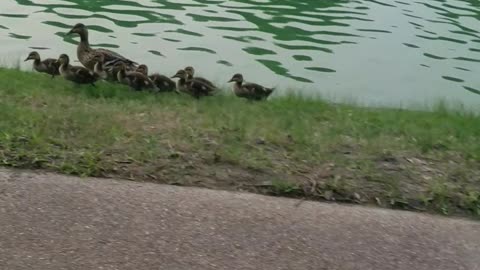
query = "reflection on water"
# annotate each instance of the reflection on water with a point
(379, 52)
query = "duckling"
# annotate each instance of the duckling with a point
(98, 67)
(163, 83)
(121, 73)
(192, 86)
(250, 91)
(182, 81)
(48, 65)
(191, 72)
(86, 54)
(136, 80)
(76, 74)
(142, 69)
(113, 72)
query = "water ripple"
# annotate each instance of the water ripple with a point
(405, 50)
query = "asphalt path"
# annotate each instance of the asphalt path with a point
(49, 221)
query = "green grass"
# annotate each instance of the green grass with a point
(288, 146)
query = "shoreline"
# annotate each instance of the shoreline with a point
(287, 146)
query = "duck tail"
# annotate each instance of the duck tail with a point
(132, 63)
(270, 91)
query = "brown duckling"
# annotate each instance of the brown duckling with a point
(86, 54)
(49, 65)
(250, 91)
(182, 81)
(191, 72)
(98, 67)
(163, 83)
(136, 80)
(121, 73)
(192, 86)
(76, 74)
(113, 72)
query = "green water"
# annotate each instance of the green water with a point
(376, 52)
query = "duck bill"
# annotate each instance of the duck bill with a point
(26, 59)
(70, 32)
(175, 76)
(231, 80)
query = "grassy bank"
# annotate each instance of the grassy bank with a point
(289, 146)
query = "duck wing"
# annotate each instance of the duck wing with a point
(138, 80)
(257, 91)
(52, 66)
(112, 57)
(82, 73)
(163, 83)
(199, 88)
(205, 81)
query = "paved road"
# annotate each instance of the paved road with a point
(55, 222)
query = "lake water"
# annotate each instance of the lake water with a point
(375, 52)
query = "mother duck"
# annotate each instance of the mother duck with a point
(87, 55)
